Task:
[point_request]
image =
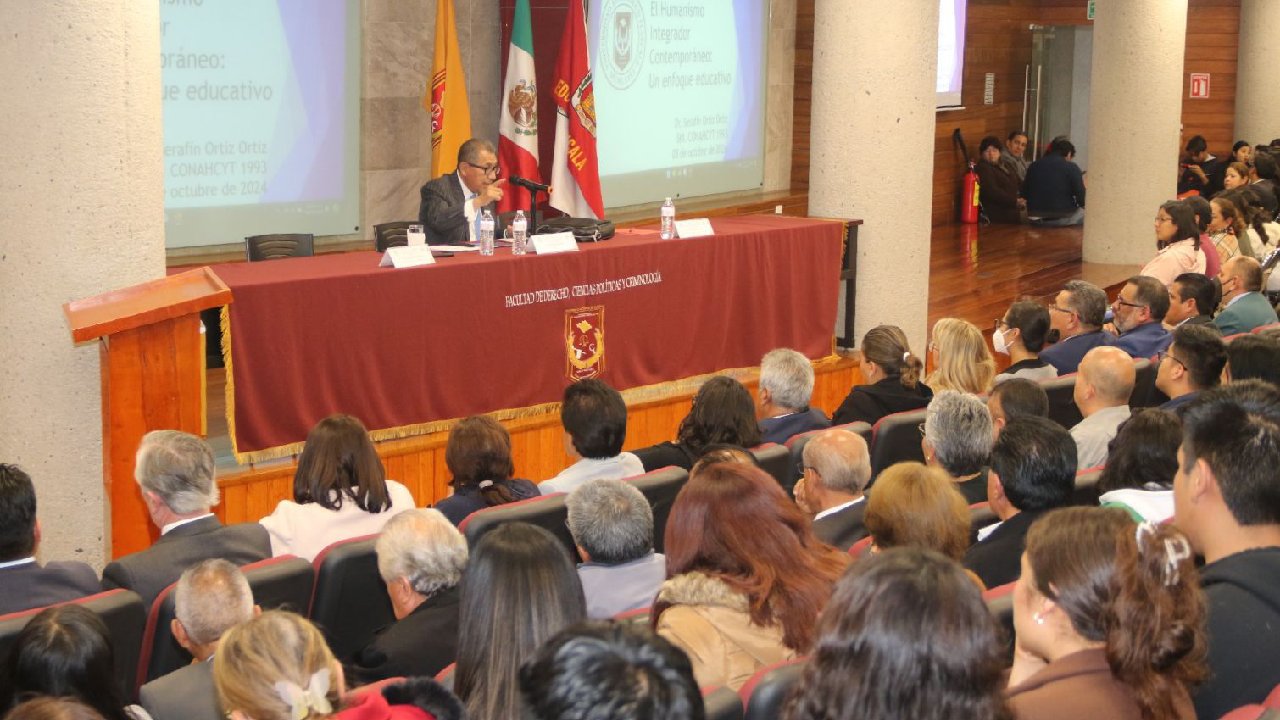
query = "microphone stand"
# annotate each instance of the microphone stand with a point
(533, 210)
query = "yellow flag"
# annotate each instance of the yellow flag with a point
(446, 98)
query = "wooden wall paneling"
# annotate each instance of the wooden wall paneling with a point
(802, 96)
(1213, 36)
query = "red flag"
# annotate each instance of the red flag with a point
(575, 171)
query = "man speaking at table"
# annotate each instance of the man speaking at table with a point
(452, 203)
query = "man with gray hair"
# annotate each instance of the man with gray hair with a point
(421, 556)
(958, 435)
(1076, 316)
(451, 204)
(837, 468)
(209, 599)
(174, 471)
(612, 525)
(782, 405)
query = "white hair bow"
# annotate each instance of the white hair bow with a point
(315, 698)
(1176, 549)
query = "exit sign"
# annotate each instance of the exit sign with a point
(1200, 85)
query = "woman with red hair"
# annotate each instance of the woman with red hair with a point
(748, 577)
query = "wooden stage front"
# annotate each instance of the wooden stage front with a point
(975, 273)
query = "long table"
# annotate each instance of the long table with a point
(406, 349)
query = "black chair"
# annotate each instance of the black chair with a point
(660, 488)
(350, 602)
(1062, 402)
(547, 512)
(1086, 492)
(1000, 604)
(896, 438)
(797, 442)
(1145, 393)
(125, 617)
(392, 234)
(721, 703)
(766, 692)
(776, 460)
(282, 245)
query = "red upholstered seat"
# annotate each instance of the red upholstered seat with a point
(546, 511)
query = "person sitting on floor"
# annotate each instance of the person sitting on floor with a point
(957, 439)
(1101, 392)
(837, 468)
(1193, 362)
(999, 183)
(1054, 187)
(612, 525)
(1076, 317)
(892, 374)
(722, 412)
(478, 456)
(25, 583)
(595, 426)
(1016, 398)
(782, 404)
(1020, 334)
(1139, 313)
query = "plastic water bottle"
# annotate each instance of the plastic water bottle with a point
(668, 220)
(519, 233)
(486, 233)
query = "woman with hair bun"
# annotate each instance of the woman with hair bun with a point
(478, 456)
(892, 373)
(1109, 618)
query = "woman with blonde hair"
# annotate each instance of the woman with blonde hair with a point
(918, 506)
(892, 373)
(278, 667)
(961, 359)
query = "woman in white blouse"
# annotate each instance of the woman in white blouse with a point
(340, 491)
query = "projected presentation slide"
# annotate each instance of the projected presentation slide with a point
(950, 51)
(261, 103)
(679, 87)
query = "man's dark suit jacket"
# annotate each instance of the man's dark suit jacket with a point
(1066, 355)
(442, 213)
(152, 570)
(421, 644)
(844, 528)
(781, 429)
(32, 585)
(998, 559)
(184, 694)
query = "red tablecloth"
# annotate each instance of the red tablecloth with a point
(403, 348)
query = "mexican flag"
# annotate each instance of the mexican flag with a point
(575, 169)
(518, 124)
(446, 98)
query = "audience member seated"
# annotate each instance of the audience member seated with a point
(1077, 314)
(605, 670)
(595, 425)
(1177, 244)
(1054, 186)
(724, 453)
(722, 412)
(957, 439)
(340, 491)
(1254, 357)
(1193, 362)
(1244, 307)
(210, 599)
(278, 667)
(837, 468)
(1102, 393)
(918, 506)
(1192, 299)
(1014, 154)
(1241, 155)
(1109, 622)
(748, 576)
(1195, 164)
(961, 360)
(1139, 313)
(1226, 224)
(25, 583)
(612, 526)
(519, 590)
(1141, 463)
(786, 386)
(1033, 470)
(999, 182)
(1013, 399)
(1268, 183)
(53, 708)
(906, 635)
(479, 460)
(1020, 334)
(1204, 215)
(421, 558)
(65, 651)
(174, 471)
(1227, 502)
(893, 379)
(1257, 233)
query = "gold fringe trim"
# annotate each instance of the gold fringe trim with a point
(229, 387)
(632, 396)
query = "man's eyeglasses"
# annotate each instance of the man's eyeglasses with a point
(1167, 354)
(1064, 311)
(494, 169)
(1126, 303)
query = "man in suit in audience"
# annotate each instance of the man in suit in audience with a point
(782, 405)
(1227, 501)
(1192, 363)
(612, 525)
(1015, 398)
(25, 583)
(1102, 392)
(1244, 307)
(595, 425)
(1192, 298)
(837, 468)
(451, 204)
(1076, 316)
(1033, 470)
(209, 599)
(421, 557)
(1139, 316)
(174, 471)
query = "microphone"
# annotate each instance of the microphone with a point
(528, 184)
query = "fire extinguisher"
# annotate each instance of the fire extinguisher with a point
(969, 200)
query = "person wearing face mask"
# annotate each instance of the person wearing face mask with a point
(1020, 334)
(1244, 307)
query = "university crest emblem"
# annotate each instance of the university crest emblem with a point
(622, 42)
(584, 342)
